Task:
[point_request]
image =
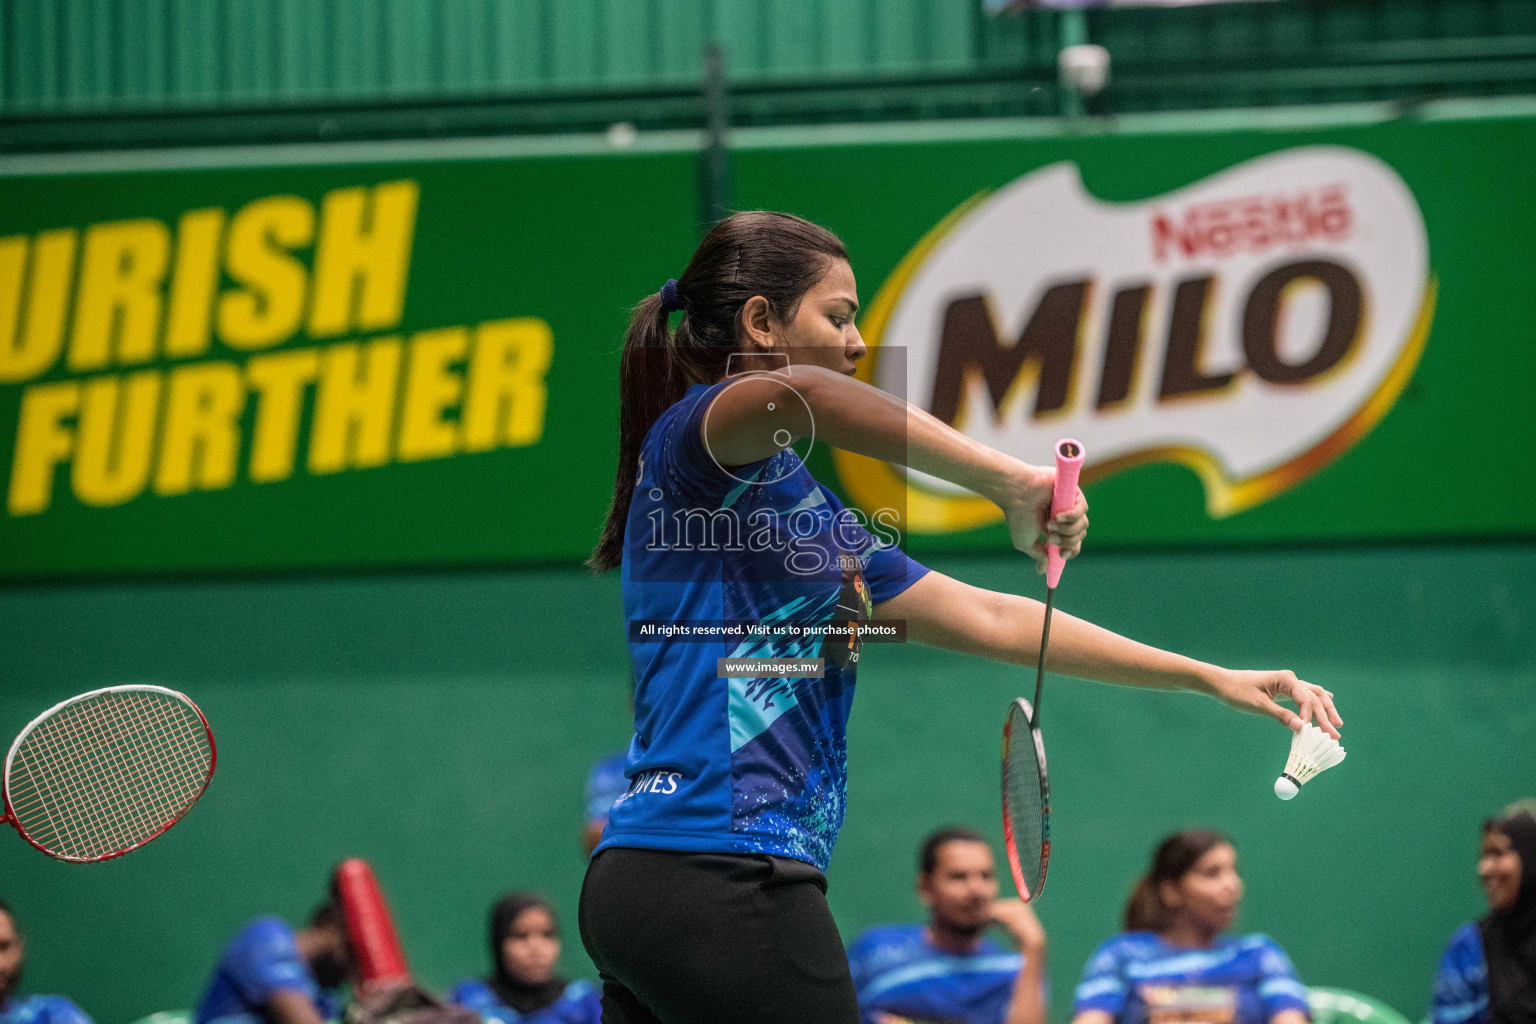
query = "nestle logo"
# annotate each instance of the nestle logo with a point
(1252, 224)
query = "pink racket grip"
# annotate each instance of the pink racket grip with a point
(1069, 463)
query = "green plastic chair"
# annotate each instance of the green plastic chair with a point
(167, 1017)
(1340, 1006)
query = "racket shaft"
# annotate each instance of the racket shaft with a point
(1045, 639)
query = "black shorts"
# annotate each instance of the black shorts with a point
(708, 938)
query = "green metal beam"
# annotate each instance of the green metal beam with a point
(591, 144)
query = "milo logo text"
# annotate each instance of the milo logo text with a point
(1251, 326)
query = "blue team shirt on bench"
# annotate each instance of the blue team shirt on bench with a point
(259, 962)
(1138, 978)
(605, 784)
(896, 970)
(1461, 983)
(744, 765)
(578, 1004)
(42, 1010)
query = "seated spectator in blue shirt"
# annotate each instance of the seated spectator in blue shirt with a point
(1175, 964)
(1488, 972)
(522, 986)
(270, 974)
(949, 970)
(605, 784)
(32, 1009)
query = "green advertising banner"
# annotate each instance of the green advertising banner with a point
(401, 356)
(361, 364)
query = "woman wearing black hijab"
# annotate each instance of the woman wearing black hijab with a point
(1488, 972)
(522, 986)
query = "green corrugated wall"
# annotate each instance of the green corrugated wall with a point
(61, 56)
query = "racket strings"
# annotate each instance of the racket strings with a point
(1025, 802)
(106, 774)
(55, 762)
(95, 758)
(123, 757)
(136, 731)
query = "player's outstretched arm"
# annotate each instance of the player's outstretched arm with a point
(944, 612)
(760, 415)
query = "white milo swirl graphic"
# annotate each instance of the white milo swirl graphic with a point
(1252, 325)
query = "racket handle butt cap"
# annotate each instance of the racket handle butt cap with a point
(1069, 464)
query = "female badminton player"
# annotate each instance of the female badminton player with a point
(705, 901)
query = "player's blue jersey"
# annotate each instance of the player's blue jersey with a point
(740, 765)
(259, 962)
(1461, 984)
(578, 1004)
(1139, 979)
(605, 784)
(897, 971)
(42, 1010)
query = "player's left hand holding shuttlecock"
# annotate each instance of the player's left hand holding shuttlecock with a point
(1312, 752)
(1258, 693)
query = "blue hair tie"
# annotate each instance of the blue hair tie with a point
(670, 300)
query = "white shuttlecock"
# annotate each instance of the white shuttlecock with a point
(1312, 751)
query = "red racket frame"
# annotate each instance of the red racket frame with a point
(1009, 840)
(5, 779)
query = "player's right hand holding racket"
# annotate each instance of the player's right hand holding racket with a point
(1031, 526)
(1257, 692)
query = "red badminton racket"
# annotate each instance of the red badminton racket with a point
(105, 772)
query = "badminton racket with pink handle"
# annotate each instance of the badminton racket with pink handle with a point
(1026, 787)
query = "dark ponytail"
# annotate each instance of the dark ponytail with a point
(651, 378)
(776, 255)
(1145, 911)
